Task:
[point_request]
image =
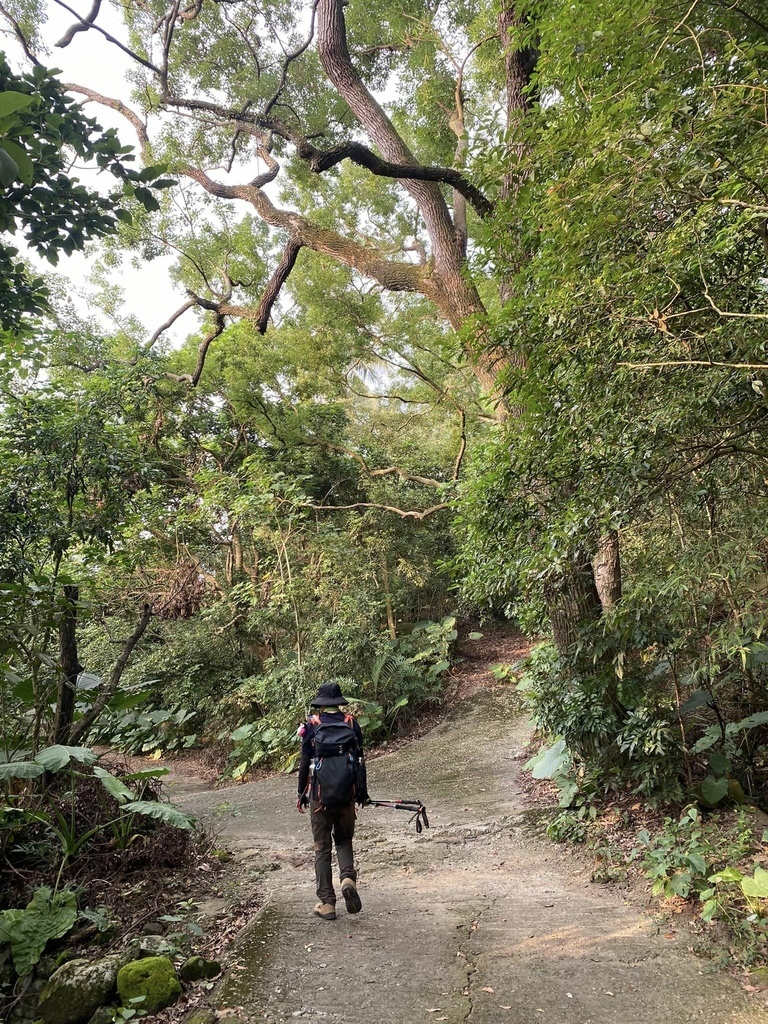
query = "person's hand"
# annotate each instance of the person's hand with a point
(363, 800)
(302, 802)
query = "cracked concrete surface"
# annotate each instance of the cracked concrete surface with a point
(475, 921)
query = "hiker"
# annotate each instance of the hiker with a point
(331, 780)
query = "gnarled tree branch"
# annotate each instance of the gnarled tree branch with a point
(83, 25)
(276, 282)
(80, 26)
(202, 350)
(412, 478)
(21, 38)
(390, 274)
(168, 323)
(336, 61)
(118, 105)
(321, 160)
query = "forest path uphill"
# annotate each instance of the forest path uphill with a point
(475, 920)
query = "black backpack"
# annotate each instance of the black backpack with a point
(335, 774)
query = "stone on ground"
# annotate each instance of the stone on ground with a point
(78, 988)
(197, 968)
(152, 980)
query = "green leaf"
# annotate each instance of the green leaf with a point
(698, 699)
(697, 862)
(113, 785)
(726, 875)
(163, 812)
(549, 762)
(242, 732)
(761, 718)
(475, 636)
(9, 170)
(719, 763)
(88, 681)
(20, 770)
(568, 789)
(709, 910)
(26, 170)
(54, 758)
(10, 102)
(680, 884)
(714, 790)
(757, 885)
(28, 931)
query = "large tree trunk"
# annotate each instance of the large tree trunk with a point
(607, 568)
(70, 666)
(572, 602)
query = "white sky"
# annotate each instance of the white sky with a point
(91, 60)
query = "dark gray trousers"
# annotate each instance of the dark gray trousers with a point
(329, 826)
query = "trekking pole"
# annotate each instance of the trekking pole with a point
(416, 807)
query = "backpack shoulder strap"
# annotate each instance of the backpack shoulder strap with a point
(314, 720)
(349, 720)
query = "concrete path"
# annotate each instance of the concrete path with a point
(475, 921)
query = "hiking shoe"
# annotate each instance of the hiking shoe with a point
(351, 896)
(325, 911)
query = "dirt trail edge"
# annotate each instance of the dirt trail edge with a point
(476, 920)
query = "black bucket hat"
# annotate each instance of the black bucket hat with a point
(329, 695)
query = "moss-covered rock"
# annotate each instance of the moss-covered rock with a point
(77, 988)
(152, 980)
(197, 968)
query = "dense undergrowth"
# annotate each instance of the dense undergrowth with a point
(90, 851)
(252, 721)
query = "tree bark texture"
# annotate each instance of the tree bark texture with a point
(519, 65)
(70, 667)
(607, 568)
(572, 602)
(447, 283)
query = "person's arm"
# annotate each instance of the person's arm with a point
(306, 757)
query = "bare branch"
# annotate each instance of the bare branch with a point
(19, 35)
(119, 106)
(404, 514)
(276, 282)
(83, 725)
(290, 58)
(694, 362)
(86, 25)
(389, 471)
(462, 446)
(168, 323)
(320, 161)
(80, 26)
(202, 350)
